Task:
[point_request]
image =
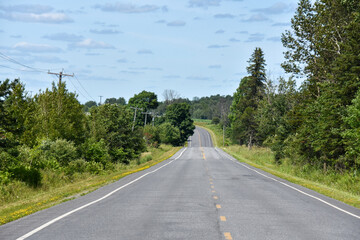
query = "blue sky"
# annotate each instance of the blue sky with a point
(119, 48)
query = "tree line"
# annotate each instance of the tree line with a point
(319, 122)
(52, 131)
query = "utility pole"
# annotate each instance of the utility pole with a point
(136, 108)
(100, 99)
(61, 74)
(146, 113)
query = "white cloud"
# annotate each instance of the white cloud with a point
(144, 51)
(198, 78)
(204, 3)
(105, 31)
(66, 37)
(129, 8)
(256, 37)
(177, 23)
(33, 17)
(256, 18)
(234, 40)
(31, 47)
(277, 8)
(27, 8)
(218, 46)
(91, 44)
(224, 15)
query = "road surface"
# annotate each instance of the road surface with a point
(199, 193)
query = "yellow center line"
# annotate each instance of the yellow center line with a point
(223, 218)
(228, 236)
(215, 197)
(212, 186)
(213, 191)
(211, 183)
(218, 206)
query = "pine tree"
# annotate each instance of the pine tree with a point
(246, 100)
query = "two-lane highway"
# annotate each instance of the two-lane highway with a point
(200, 193)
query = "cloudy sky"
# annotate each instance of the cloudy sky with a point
(119, 48)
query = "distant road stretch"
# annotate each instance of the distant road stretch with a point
(199, 193)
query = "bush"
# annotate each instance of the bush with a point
(94, 167)
(152, 135)
(170, 134)
(96, 151)
(79, 165)
(27, 174)
(63, 151)
(215, 120)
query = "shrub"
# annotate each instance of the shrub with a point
(94, 167)
(27, 174)
(215, 120)
(152, 135)
(79, 165)
(96, 151)
(169, 134)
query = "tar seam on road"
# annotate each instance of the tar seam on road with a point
(294, 188)
(93, 202)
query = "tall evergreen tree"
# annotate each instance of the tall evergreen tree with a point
(246, 100)
(323, 46)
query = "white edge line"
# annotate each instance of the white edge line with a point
(93, 202)
(294, 188)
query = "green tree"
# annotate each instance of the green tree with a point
(323, 47)
(146, 101)
(58, 115)
(88, 105)
(113, 123)
(178, 115)
(170, 134)
(246, 98)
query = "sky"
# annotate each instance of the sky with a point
(119, 48)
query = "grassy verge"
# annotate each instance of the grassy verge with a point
(343, 187)
(18, 200)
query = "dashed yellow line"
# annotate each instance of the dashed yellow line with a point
(212, 186)
(223, 218)
(215, 197)
(228, 236)
(213, 191)
(218, 206)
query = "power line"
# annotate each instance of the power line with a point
(7, 58)
(84, 88)
(17, 69)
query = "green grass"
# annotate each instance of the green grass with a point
(344, 187)
(18, 200)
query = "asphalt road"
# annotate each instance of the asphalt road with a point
(200, 193)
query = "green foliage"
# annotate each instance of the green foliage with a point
(146, 101)
(246, 99)
(113, 124)
(170, 134)
(210, 107)
(30, 175)
(215, 120)
(88, 105)
(59, 114)
(120, 101)
(152, 135)
(96, 151)
(352, 134)
(178, 115)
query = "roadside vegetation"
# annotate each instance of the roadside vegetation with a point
(341, 186)
(311, 131)
(51, 148)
